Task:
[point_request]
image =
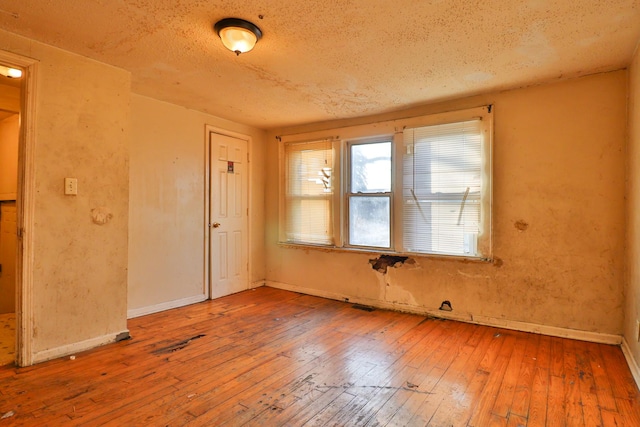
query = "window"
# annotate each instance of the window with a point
(423, 187)
(441, 188)
(369, 194)
(309, 191)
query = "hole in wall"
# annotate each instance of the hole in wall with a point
(446, 306)
(383, 262)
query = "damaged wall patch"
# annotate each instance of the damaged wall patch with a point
(381, 263)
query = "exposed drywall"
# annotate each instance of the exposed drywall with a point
(81, 131)
(167, 190)
(558, 216)
(632, 294)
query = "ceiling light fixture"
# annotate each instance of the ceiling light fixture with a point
(237, 35)
(12, 73)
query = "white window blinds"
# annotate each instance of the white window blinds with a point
(442, 188)
(309, 192)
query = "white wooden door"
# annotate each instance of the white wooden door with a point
(229, 220)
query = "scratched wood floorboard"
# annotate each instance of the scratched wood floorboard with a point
(269, 357)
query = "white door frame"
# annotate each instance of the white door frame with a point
(25, 205)
(207, 194)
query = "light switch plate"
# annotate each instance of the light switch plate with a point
(71, 186)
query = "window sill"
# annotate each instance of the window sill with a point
(366, 251)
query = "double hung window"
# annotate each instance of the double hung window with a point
(419, 185)
(442, 188)
(369, 194)
(309, 193)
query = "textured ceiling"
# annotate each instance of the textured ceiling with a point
(323, 60)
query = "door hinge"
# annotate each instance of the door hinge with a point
(20, 232)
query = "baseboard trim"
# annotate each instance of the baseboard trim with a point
(461, 317)
(143, 311)
(633, 365)
(65, 350)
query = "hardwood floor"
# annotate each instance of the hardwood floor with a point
(7, 338)
(271, 357)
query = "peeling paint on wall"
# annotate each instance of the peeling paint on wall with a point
(564, 271)
(101, 215)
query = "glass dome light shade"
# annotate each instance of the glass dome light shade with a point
(237, 35)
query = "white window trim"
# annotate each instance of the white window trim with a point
(390, 129)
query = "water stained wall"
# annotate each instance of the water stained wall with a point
(81, 131)
(558, 218)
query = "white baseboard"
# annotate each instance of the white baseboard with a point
(143, 311)
(65, 350)
(462, 317)
(633, 364)
(137, 312)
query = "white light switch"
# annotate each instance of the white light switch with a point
(71, 186)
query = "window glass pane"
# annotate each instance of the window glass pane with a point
(371, 168)
(369, 219)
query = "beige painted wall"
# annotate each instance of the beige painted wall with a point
(82, 131)
(558, 167)
(632, 294)
(167, 189)
(8, 248)
(9, 135)
(9, 98)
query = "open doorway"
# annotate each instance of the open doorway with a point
(10, 106)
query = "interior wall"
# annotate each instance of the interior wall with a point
(79, 242)
(558, 219)
(167, 190)
(9, 136)
(9, 98)
(632, 294)
(8, 246)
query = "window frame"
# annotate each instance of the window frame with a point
(392, 130)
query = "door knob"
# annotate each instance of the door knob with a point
(215, 225)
